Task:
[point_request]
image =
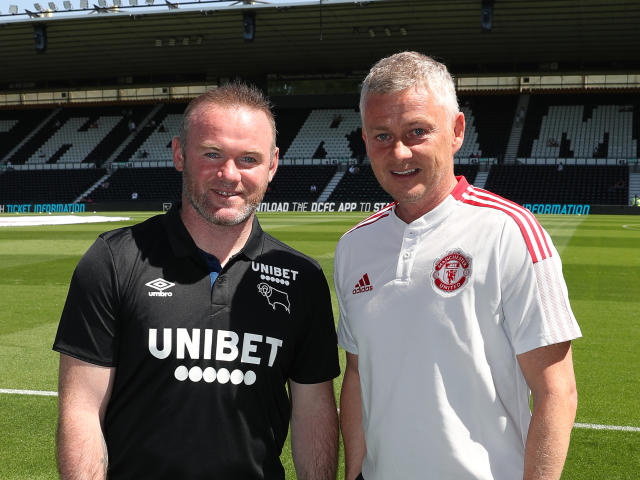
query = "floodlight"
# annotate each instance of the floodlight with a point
(13, 9)
(372, 33)
(52, 6)
(133, 3)
(117, 3)
(102, 3)
(84, 4)
(403, 31)
(67, 5)
(38, 7)
(149, 2)
(387, 31)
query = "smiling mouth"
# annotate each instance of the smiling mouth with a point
(405, 172)
(225, 194)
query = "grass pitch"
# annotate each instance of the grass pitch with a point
(601, 256)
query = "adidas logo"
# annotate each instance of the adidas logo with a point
(363, 285)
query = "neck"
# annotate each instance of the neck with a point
(408, 212)
(222, 241)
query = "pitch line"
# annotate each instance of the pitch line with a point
(41, 393)
(593, 426)
(589, 426)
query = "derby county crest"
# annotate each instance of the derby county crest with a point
(451, 272)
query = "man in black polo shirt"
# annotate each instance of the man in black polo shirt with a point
(180, 334)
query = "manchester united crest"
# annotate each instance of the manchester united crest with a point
(451, 272)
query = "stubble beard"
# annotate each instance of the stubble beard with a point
(206, 210)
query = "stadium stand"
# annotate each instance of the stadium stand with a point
(294, 183)
(581, 126)
(288, 122)
(571, 184)
(360, 186)
(153, 134)
(158, 184)
(16, 126)
(488, 124)
(326, 133)
(46, 186)
(588, 132)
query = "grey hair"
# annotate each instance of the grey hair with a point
(409, 69)
(234, 94)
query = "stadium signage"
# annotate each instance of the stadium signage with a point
(43, 208)
(557, 209)
(321, 206)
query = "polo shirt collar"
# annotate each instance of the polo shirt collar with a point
(434, 217)
(184, 246)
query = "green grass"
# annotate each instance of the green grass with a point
(601, 264)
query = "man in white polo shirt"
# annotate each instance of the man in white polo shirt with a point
(453, 307)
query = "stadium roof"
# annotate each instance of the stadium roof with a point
(202, 41)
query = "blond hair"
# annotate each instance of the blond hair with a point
(410, 69)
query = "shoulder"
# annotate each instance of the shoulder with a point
(512, 215)
(147, 230)
(286, 253)
(369, 227)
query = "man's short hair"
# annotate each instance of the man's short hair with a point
(409, 69)
(230, 95)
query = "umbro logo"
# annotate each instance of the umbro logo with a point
(363, 285)
(160, 285)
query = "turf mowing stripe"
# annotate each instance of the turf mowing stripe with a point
(593, 426)
(29, 392)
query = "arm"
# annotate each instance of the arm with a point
(84, 390)
(351, 419)
(549, 373)
(314, 430)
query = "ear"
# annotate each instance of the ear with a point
(458, 131)
(178, 157)
(274, 164)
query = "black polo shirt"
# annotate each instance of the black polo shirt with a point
(199, 389)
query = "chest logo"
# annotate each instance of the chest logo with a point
(275, 274)
(160, 285)
(451, 272)
(363, 285)
(274, 296)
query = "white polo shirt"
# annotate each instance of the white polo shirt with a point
(437, 311)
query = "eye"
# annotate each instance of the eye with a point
(419, 132)
(248, 159)
(383, 137)
(212, 154)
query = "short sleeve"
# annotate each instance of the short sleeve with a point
(345, 338)
(316, 358)
(88, 325)
(535, 301)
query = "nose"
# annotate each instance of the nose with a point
(228, 171)
(401, 151)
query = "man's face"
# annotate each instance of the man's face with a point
(227, 164)
(411, 141)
